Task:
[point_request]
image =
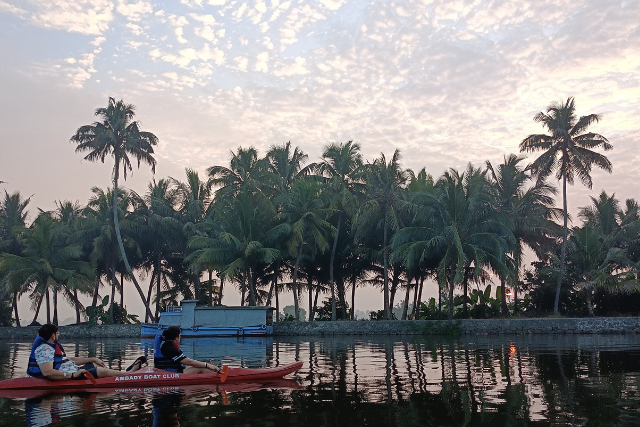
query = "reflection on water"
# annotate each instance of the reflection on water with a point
(346, 381)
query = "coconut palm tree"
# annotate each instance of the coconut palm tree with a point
(47, 263)
(304, 212)
(455, 228)
(118, 135)
(384, 201)
(568, 151)
(245, 172)
(342, 164)
(13, 216)
(528, 207)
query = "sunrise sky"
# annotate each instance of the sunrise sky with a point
(447, 82)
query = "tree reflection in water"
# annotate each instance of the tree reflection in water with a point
(411, 381)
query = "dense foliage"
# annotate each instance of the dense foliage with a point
(274, 224)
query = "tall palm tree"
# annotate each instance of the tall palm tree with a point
(528, 208)
(342, 164)
(118, 135)
(384, 201)
(245, 172)
(568, 151)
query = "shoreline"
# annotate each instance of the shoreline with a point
(467, 327)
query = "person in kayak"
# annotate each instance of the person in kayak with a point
(168, 356)
(48, 360)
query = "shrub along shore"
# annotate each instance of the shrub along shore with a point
(542, 326)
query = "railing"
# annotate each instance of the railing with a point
(173, 309)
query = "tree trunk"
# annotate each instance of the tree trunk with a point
(405, 309)
(252, 289)
(295, 284)
(35, 317)
(15, 308)
(149, 292)
(114, 281)
(465, 287)
(395, 281)
(48, 307)
(353, 296)
(589, 304)
(415, 300)
(503, 303)
(116, 226)
(333, 257)
(158, 283)
(563, 251)
(515, 298)
(451, 285)
(220, 291)
(96, 282)
(270, 294)
(77, 304)
(417, 312)
(210, 288)
(341, 299)
(310, 286)
(387, 309)
(55, 306)
(243, 288)
(121, 290)
(315, 301)
(277, 302)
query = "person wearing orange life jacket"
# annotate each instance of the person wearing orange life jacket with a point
(48, 360)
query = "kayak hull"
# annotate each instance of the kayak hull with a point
(151, 377)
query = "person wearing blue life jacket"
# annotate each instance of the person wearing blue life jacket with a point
(48, 360)
(168, 356)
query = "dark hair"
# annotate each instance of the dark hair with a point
(47, 330)
(171, 333)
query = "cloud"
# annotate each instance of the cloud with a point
(90, 17)
(298, 67)
(262, 62)
(134, 11)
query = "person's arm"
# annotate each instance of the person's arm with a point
(54, 374)
(83, 360)
(199, 364)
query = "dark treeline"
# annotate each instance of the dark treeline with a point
(277, 223)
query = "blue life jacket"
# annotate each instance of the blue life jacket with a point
(59, 357)
(161, 362)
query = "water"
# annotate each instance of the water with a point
(412, 381)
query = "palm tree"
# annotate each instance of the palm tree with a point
(342, 163)
(245, 172)
(528, 208)
(304, 212)
(161, 233)
(384, 201)
(118, 135)
(13, 216)
(568, 150)
(47, 263)
(456, 228)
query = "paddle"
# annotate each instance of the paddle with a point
(223, 373)
(90, 377)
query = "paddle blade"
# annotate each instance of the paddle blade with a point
(223, 373)
(91, 378)
(225, 398)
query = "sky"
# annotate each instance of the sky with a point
(446, 82)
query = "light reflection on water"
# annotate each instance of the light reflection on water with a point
(355, 381)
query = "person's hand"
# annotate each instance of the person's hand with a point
(213, 366)
(79, 374)
(97, 361)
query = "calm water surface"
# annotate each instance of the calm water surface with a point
(426, 381)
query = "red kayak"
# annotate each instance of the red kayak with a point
(234, 387)
(150, 377)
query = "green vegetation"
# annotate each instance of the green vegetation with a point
(274, 224)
